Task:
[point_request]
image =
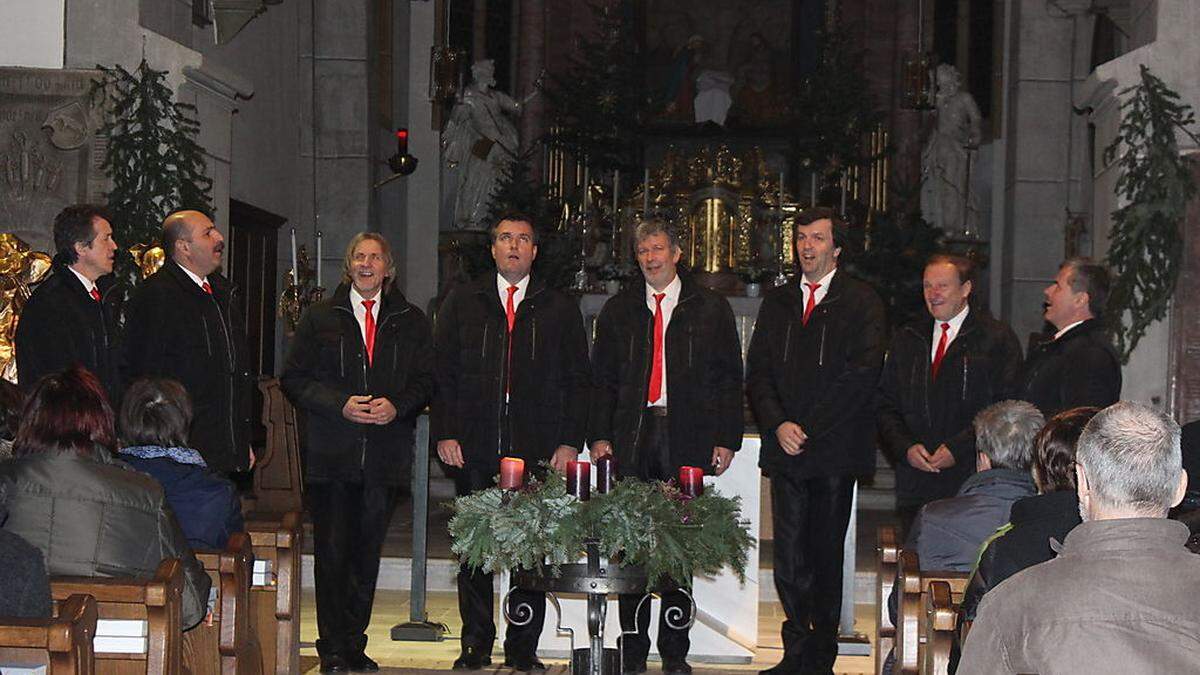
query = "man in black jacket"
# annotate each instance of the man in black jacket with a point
(361, 367)
(939, 373)
(1078, 366)
(185, 322)
(513, 380)
(666, 339)
(812, 372)
(70, 318)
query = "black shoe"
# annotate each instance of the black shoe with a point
(634, 668)
(361, 663)
(472, 658)
(676, 667)
(334, 663)
(788, 666)
(523, 664)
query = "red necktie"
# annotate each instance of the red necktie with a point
(941, 351)
(812, 302)
(370, 329)
(206, 287)
(96, 294)
(510, 313)
(656, 367)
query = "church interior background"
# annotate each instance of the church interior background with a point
(977, 125)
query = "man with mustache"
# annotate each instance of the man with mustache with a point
(184, 322)
(1078, 366)
(71, 319)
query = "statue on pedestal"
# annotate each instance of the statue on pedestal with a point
(947, 198)
(479, 142)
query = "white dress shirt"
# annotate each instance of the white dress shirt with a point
(669, 301)
(821, 290)
(955, 322)
(1064, 331)
(502, 287)
(88, 284)
(200, 281)
(360, 311)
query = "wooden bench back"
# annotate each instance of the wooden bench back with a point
(226, 644)
(276, 600)
(910, 615)
(278, 481)
(62, 644)
(941, 613)
(157, 601)
(887, 552)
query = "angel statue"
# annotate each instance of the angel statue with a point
(947, 198)
(479, 143)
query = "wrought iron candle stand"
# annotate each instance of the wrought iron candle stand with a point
(597, 581)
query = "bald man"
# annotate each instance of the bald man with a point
(184, 322)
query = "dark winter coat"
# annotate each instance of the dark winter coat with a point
(61, 326)
(24, 586)
(174, 329)
(704, 375)
(980, 367)
(1081, 368)
(551, 382)
(822, 376)
(205, 504)
(327, 364)
(96, 516)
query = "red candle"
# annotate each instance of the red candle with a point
(691, 481)
(512, 473)
(606, 473)
(579, 480)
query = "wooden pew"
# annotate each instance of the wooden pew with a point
(156, 601)
(275, 598)
(63, 644)
(941, 613)
(278, 484)
(888, 553)
(910, 616)
(225, 643)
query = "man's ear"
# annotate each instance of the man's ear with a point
(1181, 489)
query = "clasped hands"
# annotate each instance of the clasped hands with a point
(921, 459)
(369, 410)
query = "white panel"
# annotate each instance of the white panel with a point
(31, 33)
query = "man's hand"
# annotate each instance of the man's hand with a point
(791, 437)
(562, 455)
(600, 449)
(942, 458)
(382, 410)
(721, 459)
(450, 452)
(919, 458)
(358, 409)
(253, 459)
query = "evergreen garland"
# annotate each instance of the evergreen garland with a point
(152, 157)
(1146, 241)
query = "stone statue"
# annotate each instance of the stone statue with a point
(479, 142)
(947, 198)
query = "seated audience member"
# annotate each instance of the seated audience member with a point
(24, 585)
(87, 512)
(1123, 595)
(1034, 521)
(155, 417)
(947, 533)
(10, 416)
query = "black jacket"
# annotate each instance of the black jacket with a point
(174, 329)
(822, 376)
(327, 364)
(548, 396)
(704, 375)
(1079, 369)
(61, 326)
(980, 367)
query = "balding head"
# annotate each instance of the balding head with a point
(192, 241)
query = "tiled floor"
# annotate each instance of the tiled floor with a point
(391, 607)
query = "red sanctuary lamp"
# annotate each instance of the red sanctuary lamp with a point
(691, 481)
(512, 473)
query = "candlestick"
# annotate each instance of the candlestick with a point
(843, 211)
(579, 480)
(781, 190)
(616, 214)
(512, 473)
(606, 473)
(586, 179)
(318, 282)
(812, 189)
(691, 481)
(295, 268)
(646, 193)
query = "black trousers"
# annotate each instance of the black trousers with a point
(476, 598)
(810, 516)
(654, 463)
(349, 521)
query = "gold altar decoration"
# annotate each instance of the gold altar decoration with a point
(20, 269)
(149, 258)
(297, 296)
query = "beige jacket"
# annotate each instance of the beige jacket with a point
(1122, 597)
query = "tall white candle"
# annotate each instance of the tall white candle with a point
(295, 269)
(646, 193)
(318, 282)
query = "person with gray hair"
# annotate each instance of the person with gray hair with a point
(1123, 595)
(947, 533)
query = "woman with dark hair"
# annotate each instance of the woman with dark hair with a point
(88, 513)
(155, 417)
